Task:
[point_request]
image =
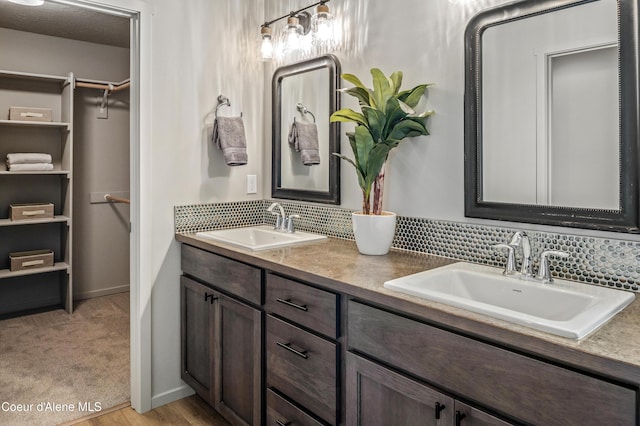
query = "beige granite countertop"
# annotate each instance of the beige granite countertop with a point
(613, 350)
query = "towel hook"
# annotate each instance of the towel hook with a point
(223, 101)
(303, 110)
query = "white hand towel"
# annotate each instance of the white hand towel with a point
(32, 167)
(228, 135)
(28, 158)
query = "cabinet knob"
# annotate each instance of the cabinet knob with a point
(439, 408)
(459, 417)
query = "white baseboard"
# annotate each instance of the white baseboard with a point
(171, 395)
(102, 292)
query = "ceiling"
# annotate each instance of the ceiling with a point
(65, 21)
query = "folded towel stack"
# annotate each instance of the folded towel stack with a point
(28, 162)
(304, 138)
(228, 135)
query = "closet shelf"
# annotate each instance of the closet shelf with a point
(52, 172)
(56, 79)
(55, 219)
(51, 124)
(58, 266)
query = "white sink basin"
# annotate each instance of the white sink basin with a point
(259, 237)
(564, 308)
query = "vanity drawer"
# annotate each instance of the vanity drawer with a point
(282, 412)
(233, 277)
(527, 389)
(303, 304)
(302, 366)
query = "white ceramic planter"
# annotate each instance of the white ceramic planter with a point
(374, 233)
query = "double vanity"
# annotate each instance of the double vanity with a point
(310, 334)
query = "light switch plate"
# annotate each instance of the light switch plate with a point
(252, 184)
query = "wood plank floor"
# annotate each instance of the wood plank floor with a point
(187, 411)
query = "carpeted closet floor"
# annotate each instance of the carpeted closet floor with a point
(56, 367)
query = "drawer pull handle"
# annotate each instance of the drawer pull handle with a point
(288, 302)
(459, 417)
(439, 408)
(287, 346)
(285, 423)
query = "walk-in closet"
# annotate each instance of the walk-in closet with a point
(64, 208)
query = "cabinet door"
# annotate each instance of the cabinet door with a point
(379, 396)
(197, 309)
(469, 416)
(238, 362)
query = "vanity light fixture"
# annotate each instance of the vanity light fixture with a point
(28, 2)
(299, 24)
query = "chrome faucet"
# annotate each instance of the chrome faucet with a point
(280, 217)
(283, 223)
(521, 240)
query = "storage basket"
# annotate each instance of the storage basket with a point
(31, 211)
(30, 114)
(33, 259)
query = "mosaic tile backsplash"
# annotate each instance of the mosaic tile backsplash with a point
(602, 261)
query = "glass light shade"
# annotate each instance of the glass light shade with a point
(28, 2)
(322, 25)
(292, 34)
(266, 44)
(266, 49)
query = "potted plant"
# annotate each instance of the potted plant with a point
(387, 118)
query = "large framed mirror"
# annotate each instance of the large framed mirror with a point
(551, 114)
(304, 95)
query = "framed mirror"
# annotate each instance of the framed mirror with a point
(551, 114)
(304, 95)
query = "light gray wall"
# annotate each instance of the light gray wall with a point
(201, 48)
(35, 53)
(101, 152)
(424, 39)
(101, 164)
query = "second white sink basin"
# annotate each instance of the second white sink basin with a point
(564, 308)
(259, 237)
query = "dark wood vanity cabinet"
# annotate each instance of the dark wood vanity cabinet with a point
(263, 348)
(378, 396)
(222, 335)
(301, 350)
(197, 316)
(515, 386)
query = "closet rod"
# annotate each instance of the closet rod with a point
(109, 197)
(113, 87)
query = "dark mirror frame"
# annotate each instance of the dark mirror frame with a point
(627, 218)
(332, 196)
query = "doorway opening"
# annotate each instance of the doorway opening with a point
(84, 271)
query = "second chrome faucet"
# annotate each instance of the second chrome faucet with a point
(520, 240)
(283, 223)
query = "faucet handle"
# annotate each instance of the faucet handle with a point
(544, 271)
(289, 222)
(510, 266)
